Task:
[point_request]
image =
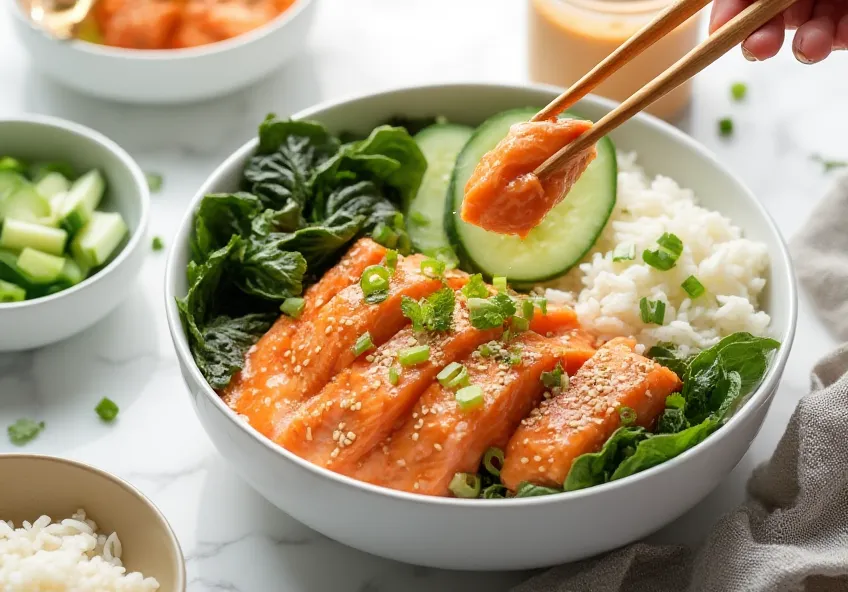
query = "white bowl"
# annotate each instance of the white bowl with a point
(167, 76)
(41, 321)
(498, 534)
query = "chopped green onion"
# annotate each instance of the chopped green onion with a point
(542, 303)
(829, 165)
(469, 397)
(154, 182)
(515, 358)
(465, 485)
(519, 324)
(507, 335)
(627, 415)
(666, 256)
(394, 375)
(414, 355)
(404, 244)
(375, 283)
(448, 372)
(419, 219)
(653, 311)
(107, 409)
(493, 454)
(157, 244)
(554, 378)
(528, 309)
(24, 430)
(391, 259)
(397, 221)
(624, 252)
(460, 380)
(671, 244)
(693, 287)
(363, 344)
(675, 401)
(433, 268)
(384, 235)
(446, 256)
(293, 307)
(738, 90)
(486, 350)
(494, 491)
(725, 127)
(499, 282)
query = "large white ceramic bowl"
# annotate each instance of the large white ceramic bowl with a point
(167, 76)
(41, 321)
(498, 534)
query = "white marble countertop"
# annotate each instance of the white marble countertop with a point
(232, 538)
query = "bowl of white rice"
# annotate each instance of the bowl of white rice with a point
(68, 526)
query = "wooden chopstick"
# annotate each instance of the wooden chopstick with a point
(663, 24)
(720, 42)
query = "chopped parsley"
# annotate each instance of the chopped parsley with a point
(433, 313)
(476, 287)
(107, 409)
(490, 313)
(24, 430)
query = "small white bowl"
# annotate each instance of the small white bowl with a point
(170, 75)
(41, 321)
(513, 533)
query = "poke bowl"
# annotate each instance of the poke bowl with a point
(192, 70)
(440, 457)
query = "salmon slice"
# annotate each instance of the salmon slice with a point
(440, 439)
(504, 196)
(138, 24)
(265, 360)
(323, 345)
(355, 412)
(580, 420)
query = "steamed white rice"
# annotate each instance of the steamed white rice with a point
(731, 268)
(69, 555)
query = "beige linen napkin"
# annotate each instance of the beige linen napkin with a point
(792, 533)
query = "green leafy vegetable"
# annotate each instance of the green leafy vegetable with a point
(665, 354)
(24, 430)
(491, 312)
(219, 217)
(595, 468)
(494, 491)
(107, 409)
(433, 313)
(526, 489)
(662, 447)
(413, 125)
(268, 271)
(476, 287)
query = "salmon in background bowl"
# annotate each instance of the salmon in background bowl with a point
(167, 76)
(470, 534)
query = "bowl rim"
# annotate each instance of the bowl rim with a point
(185, 53)
(176, 549)
(755, 400)
(135, 171)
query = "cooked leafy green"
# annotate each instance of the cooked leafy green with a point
(270, 271)
(664, 353)
(595, 468)
(526, 489)
(219, 217)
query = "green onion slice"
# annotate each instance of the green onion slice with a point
(469, 397)
(449, 372)
(107, 409)
(391, 259)
(542, 303)
(693, 287)
(293, 307)
(624, 252)
(433, 268)
(738, 90)
(528, 309)
(520, 324)
(414, 355)
(363, 344)
(394, 375)
(499, 282)
(493, 461)
(384, 235)
(375, 283)
(653, 311)
(627, 415)
(465, 485)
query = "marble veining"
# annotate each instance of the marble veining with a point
(233, 540)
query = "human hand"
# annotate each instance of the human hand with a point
(822, 26)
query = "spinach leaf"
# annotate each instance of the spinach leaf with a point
(413, 125)
(659, 448)
(320, 244)
(672, 421)
(361, 199)
(286, 219)
(224, 342)
(269, 269)
(494, 491)
(595, 468)
(219, 217)
(665, 354)
(527, 489)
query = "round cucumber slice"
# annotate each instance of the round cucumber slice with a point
(561, 240)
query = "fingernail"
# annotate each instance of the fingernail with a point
(799, 55)
(748, 55)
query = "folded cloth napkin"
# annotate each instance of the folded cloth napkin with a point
(792, 533)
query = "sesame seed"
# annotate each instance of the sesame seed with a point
(328, 330)
(334, 453)
(306, 362)
(348, 441)
(526, 441)
(369, 358)
(414, 416)
(317, 349)
(415, 436)
(524, 460)
(415, 485)
(267, 401)
(537, 458)
(437, 446)
(541, 469)
(401, 463)
(351, 436)
(336, 435)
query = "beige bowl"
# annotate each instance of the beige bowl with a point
(34, 485)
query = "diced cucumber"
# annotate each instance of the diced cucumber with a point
(440, 143)
(41, 267)
(52, 184)
(72, 272)
(98, 239)
(17, 235)
(560, 241)
(24, 203)
(82, 198)
(10, 292)
(9, 182)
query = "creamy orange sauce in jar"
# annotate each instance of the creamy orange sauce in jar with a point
(567, 38)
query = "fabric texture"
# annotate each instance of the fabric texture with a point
(792, 533)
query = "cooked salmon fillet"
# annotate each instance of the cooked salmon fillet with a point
(264, 361)
(361, 406)
(323, 345)
(439, 439)
(581, 419)
(503, 194)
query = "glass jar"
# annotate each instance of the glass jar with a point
(567, 38)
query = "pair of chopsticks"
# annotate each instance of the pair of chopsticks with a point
(720, 42)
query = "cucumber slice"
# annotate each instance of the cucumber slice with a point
(440, 143)
(24, 204)
(17, 235)
(10, 292)
(564, 236)
(72, 272)
(98, 239)
(52, 184)
(41, 268)
(9, 182)
(82, 198)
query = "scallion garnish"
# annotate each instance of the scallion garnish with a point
(384, 235)
(542, 303)
(515, 357)
(553, 379)
(499, 282)
(419, 219)
(293, 307)
(671, 244)
(391, 259)
(448, 372)
(394, 375)
(465, 485)
(829, 165)
(414, 355)
(519, 324)
(528, 309)
(486, 350)
(627, 415)
(493, 461)
(738, 90)
(375, 283)
(624, 252)
(363, 344)
(24, 430)
(666, 256)
(460, 380)
(653, 311)
(433, 268)
(158, 244)
(469, 397)
(476, 287)
(107, 409)
(693, 287)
